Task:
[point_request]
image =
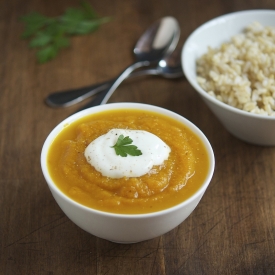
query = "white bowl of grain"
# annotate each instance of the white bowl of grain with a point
(230, 61)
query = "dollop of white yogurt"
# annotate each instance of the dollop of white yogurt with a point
(100, 154)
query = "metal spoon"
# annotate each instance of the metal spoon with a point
(161, 38)
(168, 67)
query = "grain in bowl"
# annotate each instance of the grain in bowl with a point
(241, 72)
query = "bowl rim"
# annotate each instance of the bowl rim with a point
(127, 105)
(222, 19)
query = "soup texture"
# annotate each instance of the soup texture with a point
(166, 185)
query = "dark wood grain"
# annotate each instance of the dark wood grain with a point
(232, 231)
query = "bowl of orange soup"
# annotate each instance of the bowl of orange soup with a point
(127, 172)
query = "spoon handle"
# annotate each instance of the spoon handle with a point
(104, 96)
(71, 97)
(98, 100)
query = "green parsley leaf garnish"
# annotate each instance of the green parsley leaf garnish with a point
(123, 148)
(50, 35)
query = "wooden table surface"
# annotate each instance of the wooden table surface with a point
(232, 231)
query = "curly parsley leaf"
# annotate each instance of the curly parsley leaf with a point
(122, 147)
(50, 35)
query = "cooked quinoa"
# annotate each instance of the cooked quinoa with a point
(241, 72)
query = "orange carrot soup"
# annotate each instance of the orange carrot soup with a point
(79, 156)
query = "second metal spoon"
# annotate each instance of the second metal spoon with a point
(168, 67)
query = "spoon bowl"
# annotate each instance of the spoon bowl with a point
(146, 49)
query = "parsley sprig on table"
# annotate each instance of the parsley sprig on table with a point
(50, 35)
(123, 148)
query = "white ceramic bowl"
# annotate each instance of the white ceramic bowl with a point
(121, 227)
(252, 128)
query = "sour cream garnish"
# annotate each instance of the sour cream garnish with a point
(100, 154)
